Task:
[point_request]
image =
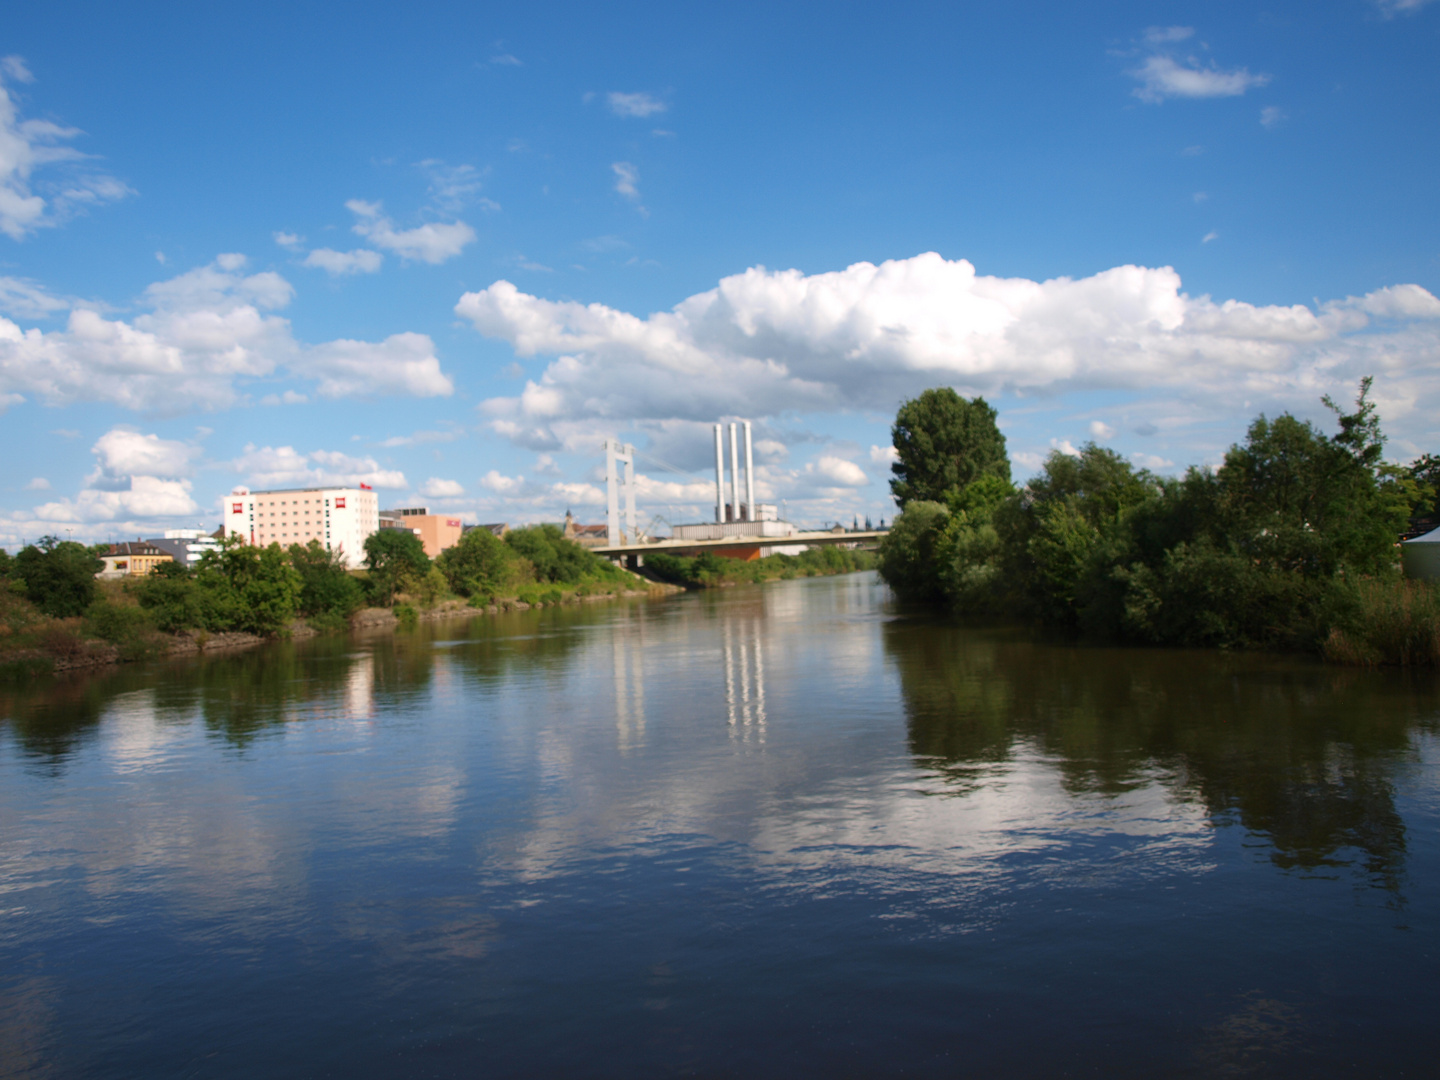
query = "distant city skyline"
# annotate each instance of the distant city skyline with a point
(447, 254)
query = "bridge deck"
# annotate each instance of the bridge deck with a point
(868, 536)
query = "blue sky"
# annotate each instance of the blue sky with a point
(448, 251)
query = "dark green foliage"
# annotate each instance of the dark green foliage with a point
(1390, 622)
(7, 566)
(171, 598)
(708, 569)
(326, 585)
(115, 622)
(554, 558)
(59, 576)
(481, 564)
(397, 562)
(252, 589)
(1423, 479)
(125, 625)
(944, 444)
(1267, 551)
(908, 555)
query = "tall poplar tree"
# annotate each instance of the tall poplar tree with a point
(944, 444)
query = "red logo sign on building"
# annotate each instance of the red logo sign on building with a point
(453, 523)
(340, 503)
(237, 508)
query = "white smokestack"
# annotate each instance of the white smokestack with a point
(719, 475)
(749, 477)
(734, 474)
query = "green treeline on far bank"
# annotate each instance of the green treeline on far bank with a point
(52, 607)
(1292, 543)
(54, 611)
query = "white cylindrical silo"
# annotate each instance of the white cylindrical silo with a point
(749, 477)
(1421, 557)
(734, 474)
(719, 475)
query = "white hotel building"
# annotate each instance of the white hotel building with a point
(340, 518)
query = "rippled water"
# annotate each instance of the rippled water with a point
(768, 831)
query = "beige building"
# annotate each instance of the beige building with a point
(436, 531)
(339, 518)
(587, 536)
(132, 560)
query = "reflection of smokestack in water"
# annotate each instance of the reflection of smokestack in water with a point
(719, 475)
(734, 475)
(749, 477)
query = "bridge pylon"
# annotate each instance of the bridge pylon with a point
(616, 454)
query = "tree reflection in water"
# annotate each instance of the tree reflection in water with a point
(243, 695)
(1295, 752)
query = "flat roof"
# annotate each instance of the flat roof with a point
(294, 491)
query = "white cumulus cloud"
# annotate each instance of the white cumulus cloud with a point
(1101, 430)
(209, 330)
(638, 104)
(766, 342)
(124, 452)
(1162, 76)
(436, 488)
(284, 466)
(29, 146)
(627, 179)
(433, 242)
(1273, 116)
(831, 471)
(137, 477)
(24, 299)
(501, 484)
(341, 263)
(1400, 7)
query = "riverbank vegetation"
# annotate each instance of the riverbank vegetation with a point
(709, 570)
(1289, 544)
(54, 612)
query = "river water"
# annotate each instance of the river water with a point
(763, 832)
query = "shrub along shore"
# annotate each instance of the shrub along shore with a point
(1290, 544)
(709, 571)
(55, 615)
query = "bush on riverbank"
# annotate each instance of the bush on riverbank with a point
(533, 565)
(1290, 543)
(708, 569)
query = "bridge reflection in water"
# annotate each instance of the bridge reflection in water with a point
(744, 652)
(628, 655)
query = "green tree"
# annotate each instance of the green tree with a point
(59, 576)
(327, 586)
(242, 587)
(553, 557)
(1422, 477)
(910, 552)
(481, 564)
(397, 562)
(1069, 526)
(171, 597)
(944, 443)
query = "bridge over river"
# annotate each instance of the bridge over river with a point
(743, 547)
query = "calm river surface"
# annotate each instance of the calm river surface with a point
(770, 831)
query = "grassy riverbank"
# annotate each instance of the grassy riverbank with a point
(55, 615)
